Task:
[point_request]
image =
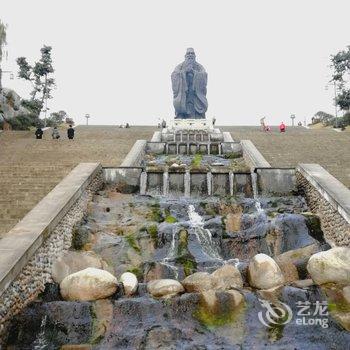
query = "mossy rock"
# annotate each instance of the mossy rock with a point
(131, 240)
(80, 236)
(170, 219)
(221, 314)
(152, 230)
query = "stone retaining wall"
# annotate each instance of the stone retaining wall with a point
(328, 198)
(35, 251)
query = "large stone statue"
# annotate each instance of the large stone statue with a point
(189, 82)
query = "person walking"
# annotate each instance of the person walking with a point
(39, 133)
(282, 127)
(55, 133)
(70, 132)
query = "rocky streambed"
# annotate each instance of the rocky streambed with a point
(207, 273)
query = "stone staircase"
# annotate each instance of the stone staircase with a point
(30, 168)
(22, 187)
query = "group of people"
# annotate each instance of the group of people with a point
(55, 133)
(266, 128)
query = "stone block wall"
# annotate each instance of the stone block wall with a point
(31, 280)
(322, 200)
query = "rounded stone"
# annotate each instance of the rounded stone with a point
(89, 284)
(228, 277)
(331, 266)
(130, 283)
(199, 282)
(164, 288)
(264, 273)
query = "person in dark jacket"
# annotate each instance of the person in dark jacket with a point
(70, 132)
(39, 133)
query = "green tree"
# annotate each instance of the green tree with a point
(2, 44)
(40, 76)
(341, 74)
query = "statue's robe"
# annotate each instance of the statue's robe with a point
(190, 91)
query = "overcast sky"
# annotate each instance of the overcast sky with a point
(113, 59)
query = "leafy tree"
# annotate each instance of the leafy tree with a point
(323, 117)
(2, 44)
(40, 76)
(56, 118)
(341, 74)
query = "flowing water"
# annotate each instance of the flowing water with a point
(203, 235)
(157, 237)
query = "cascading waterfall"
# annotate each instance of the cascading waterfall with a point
(165, 183)
(254, 177)
(203, 235)
(187, 183)
(167, 261)
(143, 183)
(231, 178)
(40, 342)
(209, 183)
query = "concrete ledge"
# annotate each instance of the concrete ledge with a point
(276, 181)
(136, 154)
(157, 136)
(227, 136)
(19, 244)
(155, 147)
(331, 189)
(252, 156)
(125, 178)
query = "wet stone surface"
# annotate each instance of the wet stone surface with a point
(158, 238)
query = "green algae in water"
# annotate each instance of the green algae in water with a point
(184, 257)
(170, 219)
(212, 320)
(94, 338)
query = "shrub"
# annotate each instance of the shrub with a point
(24, 122)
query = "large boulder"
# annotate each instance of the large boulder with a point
(130, 283)
(199, 282)
(264, 273)
(74, 261)
(227, 277)
(10, 103)
(89, 284)
(164, 288)
(332, 265)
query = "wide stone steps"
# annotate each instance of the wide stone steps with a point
(23, 186)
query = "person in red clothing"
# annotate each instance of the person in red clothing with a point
(282, 127)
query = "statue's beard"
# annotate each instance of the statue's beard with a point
(190, 60)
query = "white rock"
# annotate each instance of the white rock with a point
(164, 288)
(227, 277)
(88, 284)
(199, 282)
(264, 273)
(130, 283)
(74, 261)
(329, 266)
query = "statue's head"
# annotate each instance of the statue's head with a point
(190, 55)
